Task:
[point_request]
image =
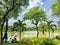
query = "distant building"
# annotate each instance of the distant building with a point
(58, 22)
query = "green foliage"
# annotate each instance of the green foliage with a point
(10, 28)
(51, 26)
(1, 13)
(43, 27)
(30, 28)
(56, 8)
(19, 26)
(57, 37)
(37, 41)
(35, 13)
(8, 4)
(48, 42)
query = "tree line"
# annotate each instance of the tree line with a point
(11, 8)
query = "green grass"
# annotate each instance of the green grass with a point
(6, 43)
(57, 31)
(57, 41)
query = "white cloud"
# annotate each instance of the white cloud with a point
(11, 21)
(44, 9)
(29, 24)
(42, 3)
(34, 3)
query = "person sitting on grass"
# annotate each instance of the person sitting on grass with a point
(14, 40)
(10, 40)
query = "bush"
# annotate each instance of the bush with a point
(29, 41)
(47, 42)
(37, 41)
(57, 37)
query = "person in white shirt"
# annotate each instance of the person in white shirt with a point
(10, 40)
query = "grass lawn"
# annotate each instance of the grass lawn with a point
(57, 42)
(40, 33)
(6, 43)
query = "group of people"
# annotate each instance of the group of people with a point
(12, 38)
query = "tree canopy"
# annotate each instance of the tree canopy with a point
(35, 14)
(19, 26)
(8, 4)
(56, 8)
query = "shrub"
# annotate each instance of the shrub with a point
(47, 42)
(37, 41)
(57, 37)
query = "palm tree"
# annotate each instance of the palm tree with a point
(43, 27)
(50, 27)
(20, 26)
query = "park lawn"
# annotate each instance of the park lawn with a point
(57, 41)
(6, 43)
(40, 35)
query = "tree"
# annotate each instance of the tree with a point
(56, 8)
(12, 7)
(43, 27)
(50, 27)
(35, 14)
(19, 26)
(0, 23)
(1, 19)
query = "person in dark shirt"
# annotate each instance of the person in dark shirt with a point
(5, 36)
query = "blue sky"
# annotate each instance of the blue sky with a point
(44, 4)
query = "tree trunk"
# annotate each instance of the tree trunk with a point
(6, 29)
(5, 34)
(43, 32)
(2, 30)
(37, 30)
(49, 33)
(20, 36)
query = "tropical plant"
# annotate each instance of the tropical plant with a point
(56, 8)
(48, 42)
(35, 14)
(57, 37)
(43, 27)
(19, 26)
(38, 41)
(51, 26)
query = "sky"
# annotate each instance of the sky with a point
(44, 4)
